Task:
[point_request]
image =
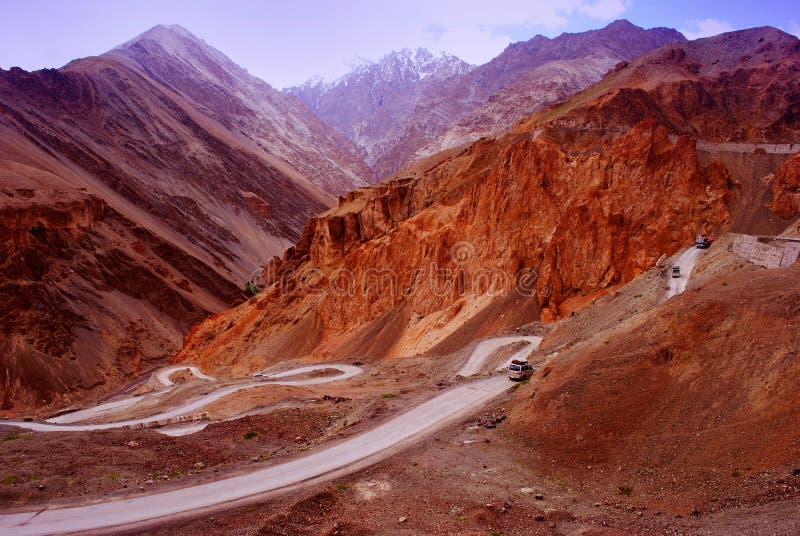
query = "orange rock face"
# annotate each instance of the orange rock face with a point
(786, 188)
(573, 201)
(518, 215)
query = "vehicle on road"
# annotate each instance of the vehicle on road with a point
(703, 241)
(519, 369)
(676, 271)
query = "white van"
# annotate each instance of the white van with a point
(519, 370)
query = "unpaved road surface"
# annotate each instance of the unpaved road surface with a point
(346, 456)
(163, 376)
(347, 371)
(115, 406)
(686, 261)
(486, 348)
(353, 453)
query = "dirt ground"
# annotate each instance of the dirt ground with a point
(613, 436)
(713, 460)
(37, 468)
(252, 427)
(480, 478)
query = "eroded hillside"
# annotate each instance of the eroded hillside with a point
(423, 256)
(139, 190)
(567, 205)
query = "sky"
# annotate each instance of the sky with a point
(286, 43)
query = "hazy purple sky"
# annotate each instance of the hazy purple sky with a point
(287, 42)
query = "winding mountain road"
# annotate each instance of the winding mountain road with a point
(347, 371)
(109, 408)
(487, 347)
(369, 446)
(164, 376)
(343, 457)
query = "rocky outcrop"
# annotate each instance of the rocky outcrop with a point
(24, 220)
(259, 209)
(786, 188)
(476, 228)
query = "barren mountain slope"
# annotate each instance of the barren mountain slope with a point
(90, 298)
(571, 203)
(276, 123)
(686, 404)
(738, 86)
(181, 157)
(415, 259)
(528, 76)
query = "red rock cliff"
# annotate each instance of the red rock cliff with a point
(473, 229)
(786, 188)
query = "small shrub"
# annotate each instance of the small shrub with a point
(10, 480)
(388, 395)
(111, 476)
(250, 435)
(11, 437)
(174, 473)
(341, 487)
(625, 490)
(250, 289)
(520, 383)
(736, 473)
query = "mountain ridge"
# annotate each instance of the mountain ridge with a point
(362, 103)
(395, 130)
(513, 205)
(197, 173)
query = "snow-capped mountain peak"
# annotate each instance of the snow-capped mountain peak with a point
(412, 65)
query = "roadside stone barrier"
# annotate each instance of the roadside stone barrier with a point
(167, 422)
(740, 147)
(754, 249)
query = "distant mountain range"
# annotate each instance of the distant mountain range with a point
(374, 105)
(411, 104)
